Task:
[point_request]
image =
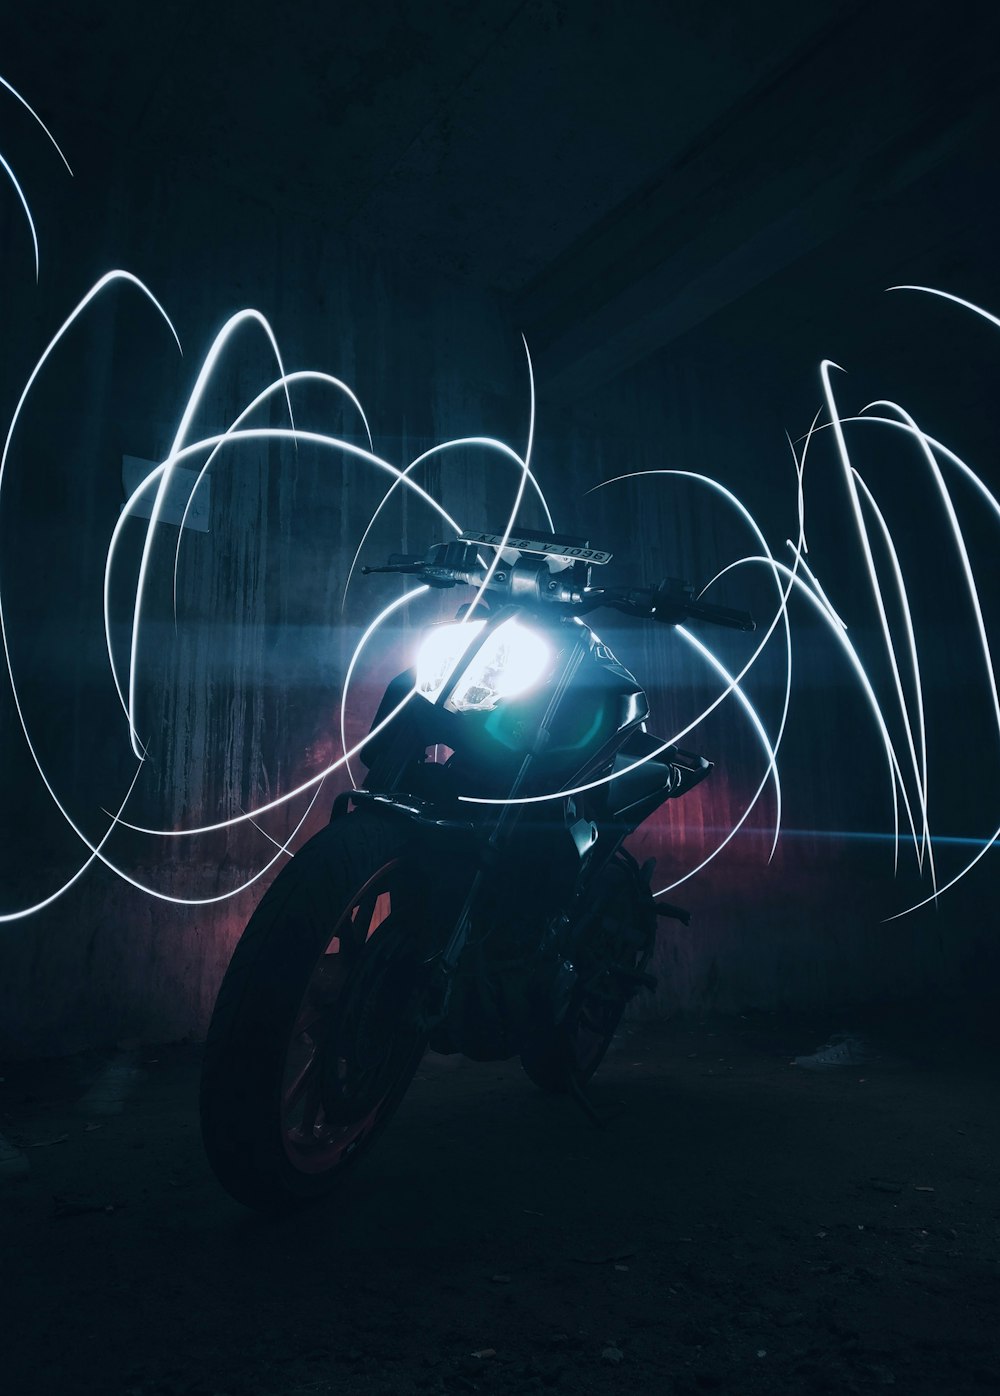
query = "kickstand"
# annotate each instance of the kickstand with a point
(579, 1094)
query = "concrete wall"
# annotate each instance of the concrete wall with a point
(240, 701)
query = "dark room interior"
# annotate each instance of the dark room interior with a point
(289, 291)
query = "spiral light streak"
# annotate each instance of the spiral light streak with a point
(285, 382)
(849, 475)
(359, 648)
(525, 472)
(27, 210)
(284, 434)
(870, 526)
(38, 120)
(932, 448)
(730, 688)
(426, 455)
(926, 845)
(109, 278)
(95, 849)
(278, 433)
(895, 773)
(770, 772)
(159, 472)
(88, 862)
(248, 816)
(13, 177)
(419, 460)
(242, 317)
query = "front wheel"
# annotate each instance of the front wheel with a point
(315, 1034)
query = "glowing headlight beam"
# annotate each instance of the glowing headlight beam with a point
(38, 120)
(285, 382)
(27, 210)
(382, 616)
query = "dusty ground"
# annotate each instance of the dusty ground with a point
(742, 1225)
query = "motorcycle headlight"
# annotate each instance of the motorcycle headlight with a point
(510, 660)
(440, 652)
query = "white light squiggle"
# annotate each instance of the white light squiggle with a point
(27, 106)
(13, 178)
(770, 772)
(850, 478)
(285, 382)
(382, 616)
(660, 750)
(859, 494)
(27, 210)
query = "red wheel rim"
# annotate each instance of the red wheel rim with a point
(329, 1102)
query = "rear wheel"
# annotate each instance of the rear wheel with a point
(315, 1034)
(614, 943)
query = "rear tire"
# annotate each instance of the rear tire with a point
(619, 932)
(313, 1040)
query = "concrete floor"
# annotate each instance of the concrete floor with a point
(743, 1224)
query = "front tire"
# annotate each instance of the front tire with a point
(315, 1037)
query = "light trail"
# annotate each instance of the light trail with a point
(426, 455)
(901, 650)
(285, 382)
(298, 434)
(13, 177)
(926, 845)
(382, 616)
(770, 772)
(38, 120)
(242, 317)
(159, 472)
(850, 478)
(27, 210)
(109, 279)
(931, 448)
(730, 688)
(96, 850)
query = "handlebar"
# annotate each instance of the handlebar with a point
(671, 601)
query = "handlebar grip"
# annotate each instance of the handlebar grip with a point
(721, 615)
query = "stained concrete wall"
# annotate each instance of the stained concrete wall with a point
(240, 701)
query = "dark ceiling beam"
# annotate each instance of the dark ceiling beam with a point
(869, 109)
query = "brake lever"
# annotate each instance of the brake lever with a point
(426, 571)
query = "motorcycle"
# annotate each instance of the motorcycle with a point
(475, 895)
